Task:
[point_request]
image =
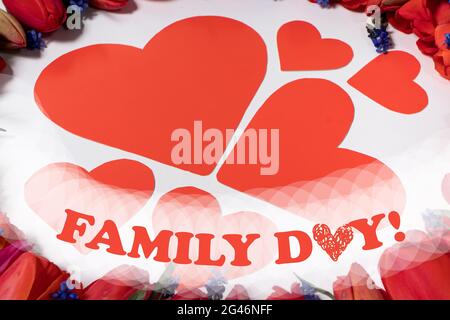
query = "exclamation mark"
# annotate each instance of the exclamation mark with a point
(394, 219)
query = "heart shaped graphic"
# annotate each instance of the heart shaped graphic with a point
(309, 174)
(301, 47)
(397, 91)
(200, 68)
(189, 209)
(335, 244)
(115, 190)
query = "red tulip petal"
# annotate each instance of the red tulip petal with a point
(439, 35)
(28, 277)
(419, 269)
(109, 5)
(11, 252)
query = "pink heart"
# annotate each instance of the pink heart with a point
(192, 210)
(115, 190)
(301, 47)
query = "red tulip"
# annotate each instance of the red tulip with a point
(281, 294)
(418, 268)
(110, 5)
(30, 277)
(41, 15)
(10, 252)
(238, 293)
(357, 285)
(118, 284)
(442, 63)
(422, 17)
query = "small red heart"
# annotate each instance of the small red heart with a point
(193, 210)
(335, 244)
(117, 189)
(301, 47)
(389, 80)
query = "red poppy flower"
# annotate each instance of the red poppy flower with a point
(442, 57)
(422, 17)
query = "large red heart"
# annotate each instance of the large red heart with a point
(389, 80)
(316, 179)
(115, 190)
(200, 68)
(192, 210)
(301, 47)
(335, 244)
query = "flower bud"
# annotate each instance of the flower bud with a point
(42, 15)
(12, 34)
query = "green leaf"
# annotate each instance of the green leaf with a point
(138, 295)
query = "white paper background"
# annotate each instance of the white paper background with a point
(415, 146)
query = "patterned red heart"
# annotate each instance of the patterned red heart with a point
(335, 244)
(115, 190)
(192, 210)
(301, 47)
(309, 173)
